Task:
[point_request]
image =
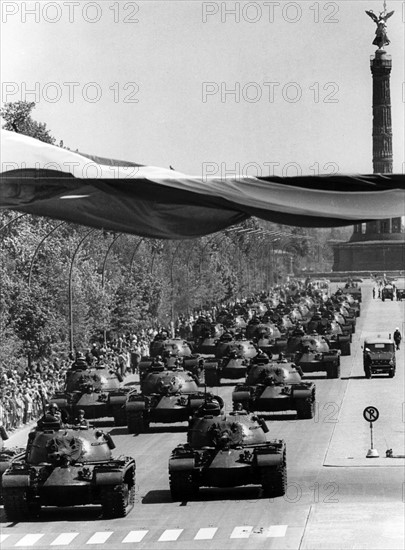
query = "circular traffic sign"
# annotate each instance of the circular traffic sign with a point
(371, 414)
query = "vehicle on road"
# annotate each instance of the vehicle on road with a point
(312, 354)
(227, 451)
(167, 396)
(68, 467)
(275, 386)
(387, 293)
(379, 356)
(97, 390)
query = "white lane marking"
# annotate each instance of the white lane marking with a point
(100, 537)
(30, 539)
(135, 536)
(206, 533)
(3, 537)
(277, 531)
(64, 539)
(241, 532)
(170, 534)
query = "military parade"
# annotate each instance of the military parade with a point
(201, 344)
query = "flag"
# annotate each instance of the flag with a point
(123, 196)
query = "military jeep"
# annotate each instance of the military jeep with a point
(379, 356)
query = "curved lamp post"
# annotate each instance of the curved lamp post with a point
(37, 249)
(12, 221)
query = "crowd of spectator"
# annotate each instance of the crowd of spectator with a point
(25, 391)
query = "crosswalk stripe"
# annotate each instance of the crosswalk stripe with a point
(170, 534)
(64, 539)
(241, 532)
(100, 537)
(3, 537)
(135, 536)
(277, 531)
(206, 533)
(30, 539)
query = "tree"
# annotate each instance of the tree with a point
(18, 119)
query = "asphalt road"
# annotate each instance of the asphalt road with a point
(336, 498)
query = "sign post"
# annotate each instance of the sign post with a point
(371, 414)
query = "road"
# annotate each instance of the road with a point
(336, 498)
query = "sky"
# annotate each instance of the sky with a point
(262, 88)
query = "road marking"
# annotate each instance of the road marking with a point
(100, 537)
(242, 532)
(206, 533)
(170, 534)
(64, 539)
(30, 539)
(277, 531)
(135, 536)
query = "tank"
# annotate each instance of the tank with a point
(353, 288)
(227, 451)
(7, 455)
(312, 354)
(165, 347)
(97, 390)
(331, 330)
(68, 466)
(232, 358)
(274, 386)
(167, 396)
(233, 366)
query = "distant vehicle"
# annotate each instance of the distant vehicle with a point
(314, 355)
(68, 467)
(97, 390)
(379, 356)
(166, 396)
(275, 386)
(170, 349)
(233, 366)
(400, 294)
(227, 451)
(387, 293)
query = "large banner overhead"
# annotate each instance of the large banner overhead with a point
(45, 180)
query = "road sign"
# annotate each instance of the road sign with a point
(371, 414)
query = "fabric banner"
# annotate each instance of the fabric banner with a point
(42, 179)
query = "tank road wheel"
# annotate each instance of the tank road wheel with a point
(391, 374)
(305, 408)
(120, 417)
(212, 378)
(274, 480)
(118, 500)
(182, 486)
(17, 506)
(136, 423)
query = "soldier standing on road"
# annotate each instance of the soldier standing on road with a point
(397, 337)
(373, 291)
